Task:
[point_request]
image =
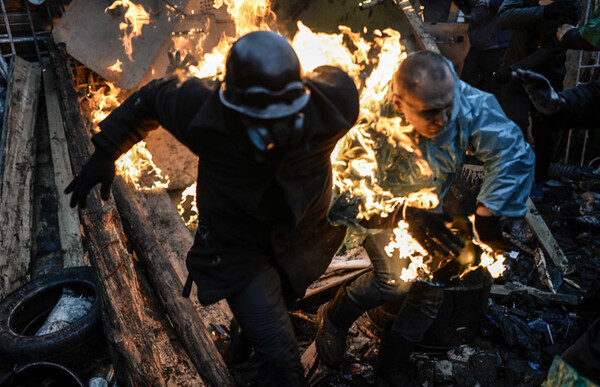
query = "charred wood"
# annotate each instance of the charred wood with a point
(68, 218)
(186, 320)
(132, 350)
(17, 164)
(162, 214)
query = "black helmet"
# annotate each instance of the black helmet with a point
(263, 77)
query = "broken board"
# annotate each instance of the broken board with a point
(92, 35)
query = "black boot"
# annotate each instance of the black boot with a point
(392, 363)
(334, 319)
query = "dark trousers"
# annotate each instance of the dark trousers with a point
(478, 67)
(261, 311)
(383, 285)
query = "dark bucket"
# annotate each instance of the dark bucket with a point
(459, 317)
(40, 374)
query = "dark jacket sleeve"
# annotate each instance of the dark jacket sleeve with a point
(582, 108)
(339, 89)
(540, 57)
(163, 102)
(573, 40)
(514, 14)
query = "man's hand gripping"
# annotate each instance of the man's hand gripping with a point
(100, 168)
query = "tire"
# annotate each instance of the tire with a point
(25, 310)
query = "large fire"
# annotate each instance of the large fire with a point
(135, 18)
(348, 50)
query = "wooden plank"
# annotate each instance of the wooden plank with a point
(176, 241)
(68, 218)
(545, 237)
(187, 322)
(133, 350)
(416, 24)
(17, 166)
(557, 298)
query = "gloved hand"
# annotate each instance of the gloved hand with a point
(429, 229)
(502, 75)
(541, 93)
(490, 233)
(177, 64)
(561, 8)
(100, 168)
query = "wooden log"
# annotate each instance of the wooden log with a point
(132, 350)
(176, 241)
(545, 237)
(68, 218)
(556, 298)
(186, 320)
(17, 166)
(416, 24)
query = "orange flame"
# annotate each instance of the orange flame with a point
(135, 18)
(188, 194)
(138, 161)
(116, 67)
(315, 49)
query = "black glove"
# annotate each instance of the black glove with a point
(561, 8)
(540, 92)
(502, 75)
(429, 229)
(100, 168)
(176, 63)
(490, 233)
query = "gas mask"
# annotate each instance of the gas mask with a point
(267, 134)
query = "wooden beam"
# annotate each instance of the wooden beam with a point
(416, 24)
(556, 298)
(545, 237)
(132, 349)
(176, 241)
(68, 218)
(17, 166)
(187, 322)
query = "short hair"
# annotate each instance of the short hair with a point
(417, 67)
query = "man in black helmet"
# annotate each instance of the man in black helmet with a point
(263, 138)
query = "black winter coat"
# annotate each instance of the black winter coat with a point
(254, 209)
(533, 44)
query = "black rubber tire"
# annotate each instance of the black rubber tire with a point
(24, 311)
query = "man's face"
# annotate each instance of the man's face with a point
(428, 107)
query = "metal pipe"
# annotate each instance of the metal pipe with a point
(585, 140)
(20, 39)
(568, 146)
(37, 49)
(12, 45)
